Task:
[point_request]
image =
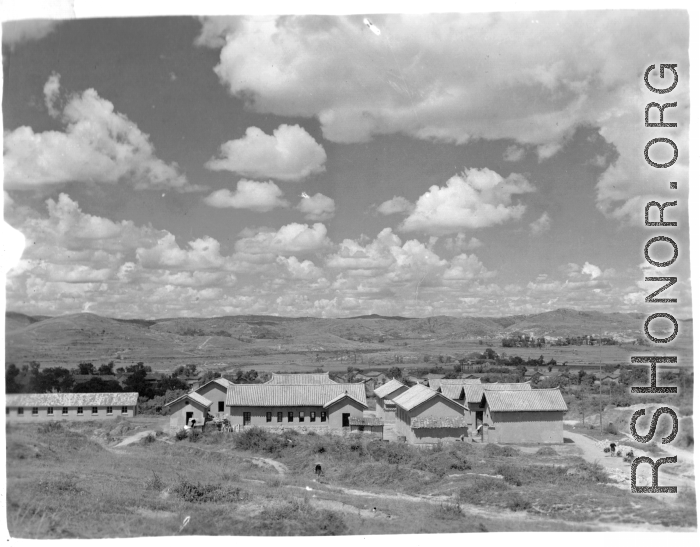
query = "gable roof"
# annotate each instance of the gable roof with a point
(435, 383)
(534, 400)
(341, 397)
(193, 396)
(291, 394)
(223, 382)
(418, 395)
(474, 392)
(388, 388)
(300, 379)
(71, 399)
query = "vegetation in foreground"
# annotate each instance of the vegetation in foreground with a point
(67, 481)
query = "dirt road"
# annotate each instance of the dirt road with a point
(134, 438)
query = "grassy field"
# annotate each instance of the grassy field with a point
(70, 481)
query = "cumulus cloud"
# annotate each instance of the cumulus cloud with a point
(290, 239)
(17, 32)
(476, 198)
(541, 225)
(459, 243)
(514, 153)
(256, 196)
(289, 154)
(591, 269)
(395, 205)
(98, 145)
(528, 81)
(317, 208)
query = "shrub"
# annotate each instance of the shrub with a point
(208, 493)
(148, 439)
(181, 435)
(51, 427)
(518, 503)
(258, 440)
(496, 450)
(611, 429)
(448, 511)
(61, 485)
(546, 451)
(155, 483)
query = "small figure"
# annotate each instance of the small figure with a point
(612, 449)
(318, 470)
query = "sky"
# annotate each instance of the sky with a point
(482, 164)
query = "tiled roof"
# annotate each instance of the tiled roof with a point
(193, 396)
(534, 400)
(341, 397)
(474, 392)
(71, 399)
(438, 421)
(291, 395)
(223, 382)
(367, 420)
(415, 396)
(388, 388)
(435, 383)
(452, 391)
(299, 379)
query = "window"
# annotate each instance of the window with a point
(312, 416)
(268, 417)
(290, 416)
(94, 410)
(64, 410)
(246, 418)
(35, 411)
(49, 411)
(125, 410)
(279, 416)
(301, 416)
(80, 411)
(323, 416)
(20, 412)
(221, 406)
(109, 411)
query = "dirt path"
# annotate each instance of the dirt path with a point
(619, 470)
(279, 467)
(134, 438)
(204, 343)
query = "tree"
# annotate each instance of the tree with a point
(169, 384)
(56, 379)
(107, 370)
(11, 383)
(191, 369)
(32, 372)
(489, 353)
(210, 375)
(394, 372)
(136, 381)
(98, 385)
(86, 368)
(120, 370)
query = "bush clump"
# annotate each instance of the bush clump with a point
(298, 517)
(208, 493)
(257, 439)
(448, 511)
(546, 451)
(51, 427)
(495, 450)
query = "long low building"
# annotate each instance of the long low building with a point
(27, 407)
(535, 416)
(310, 401)
(472, 398)
(425, 416)
(385, 395)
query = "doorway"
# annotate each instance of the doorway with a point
(346, 419)
(188, 417)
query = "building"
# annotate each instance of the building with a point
(368, 425)
(27, 407)
(186, 408)
(435, 383)
(320, 378)
(215, 392)
(386, 409)
(425, 416)
(303, 401)
(535, 416)
(473, 401)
